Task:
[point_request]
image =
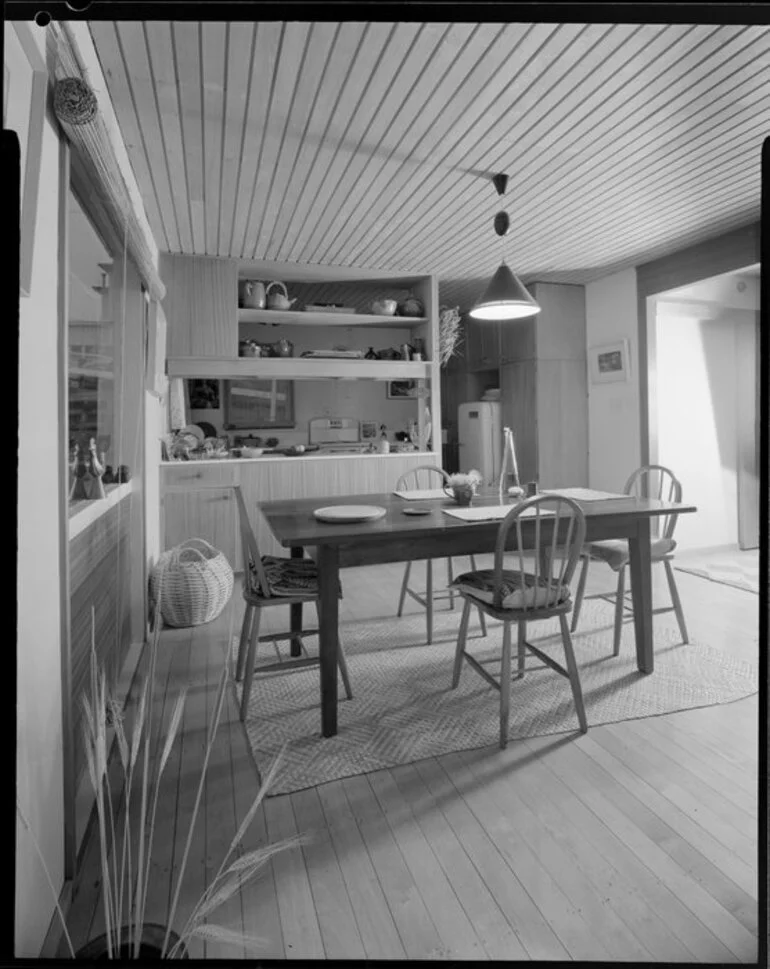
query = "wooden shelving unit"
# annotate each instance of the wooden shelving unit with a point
(303, 318)
(298, 368)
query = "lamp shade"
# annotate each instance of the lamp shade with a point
(506, 298)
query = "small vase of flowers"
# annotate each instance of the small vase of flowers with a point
(463, 486)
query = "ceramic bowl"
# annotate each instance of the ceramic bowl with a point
(384, 307)
(251, 452)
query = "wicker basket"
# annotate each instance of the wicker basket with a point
(194, 581)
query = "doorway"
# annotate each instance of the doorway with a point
(705, 416)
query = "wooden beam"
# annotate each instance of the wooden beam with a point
(103, 155)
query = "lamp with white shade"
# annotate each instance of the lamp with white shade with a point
(506, 297)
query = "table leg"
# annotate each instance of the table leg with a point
(641, 592)
(296, 611)
(328, 584)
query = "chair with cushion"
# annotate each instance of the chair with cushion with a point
(428, 477)
(654, 481)
(270, 580)
(537, 588)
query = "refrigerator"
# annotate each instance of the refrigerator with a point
(480, 439)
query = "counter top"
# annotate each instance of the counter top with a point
(310, 456)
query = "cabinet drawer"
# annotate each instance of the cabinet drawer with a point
(191, 475)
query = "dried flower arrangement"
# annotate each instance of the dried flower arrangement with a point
(125, 854)
(461, 479)
(449, 333)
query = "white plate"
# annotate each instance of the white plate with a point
(349, 513)
(196, 432)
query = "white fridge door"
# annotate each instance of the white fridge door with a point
(478, 427)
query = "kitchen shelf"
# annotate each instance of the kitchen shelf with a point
(298, 368)
(301, 318)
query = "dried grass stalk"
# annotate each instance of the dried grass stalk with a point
(449, 333)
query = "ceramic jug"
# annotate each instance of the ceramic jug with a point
(251, 294)
(278, 300)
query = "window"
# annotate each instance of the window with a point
(252, 403)
(93, 340)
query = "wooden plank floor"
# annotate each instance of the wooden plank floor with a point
(635, 842)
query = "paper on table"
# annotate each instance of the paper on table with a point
(490, 512)
(422, 494)
(582, 494)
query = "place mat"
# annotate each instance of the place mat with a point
(582, 494)
(422, 494)
(403, 709)
(480, 513)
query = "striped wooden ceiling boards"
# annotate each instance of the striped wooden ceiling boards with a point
(373, 144)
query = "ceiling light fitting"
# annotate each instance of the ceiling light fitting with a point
(506, 297)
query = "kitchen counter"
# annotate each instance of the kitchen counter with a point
(315, 455)
(197, 496)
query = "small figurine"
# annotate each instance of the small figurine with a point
(96, 470)
(80, 470)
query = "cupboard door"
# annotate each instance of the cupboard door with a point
(211, 515)
(560, 327)
(201, 305)
(482, 345)
(562, 408)
(518, 397)
(517, 340)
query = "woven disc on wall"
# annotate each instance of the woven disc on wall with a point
(73, 101)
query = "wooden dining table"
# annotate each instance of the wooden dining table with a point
(398, 537)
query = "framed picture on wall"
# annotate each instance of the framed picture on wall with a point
(609, 362)
(204, 394)
(401, 389)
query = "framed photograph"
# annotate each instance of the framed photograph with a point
(400, 389)
(609, 362)
(204, 394)
(368, 430)
(24, 104)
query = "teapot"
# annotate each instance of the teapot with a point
(251, 294)
(278, 301)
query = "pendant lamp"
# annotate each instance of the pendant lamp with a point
(506, 297)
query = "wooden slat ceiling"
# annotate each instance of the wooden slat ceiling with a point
(373, 144)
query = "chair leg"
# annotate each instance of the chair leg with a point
(429, 597)
(342, 662)
(482, 619)
(574, 676)
(581, 588)
(620, 606)
(676, 601)
(404, 586)
(449, 578)
(250, 659)
(522, 649)
(245, 629)
(462, 635)
(505, 686)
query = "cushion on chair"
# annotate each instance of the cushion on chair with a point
(519, 589)
(286, 576)
(614, 551)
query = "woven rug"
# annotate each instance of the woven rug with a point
(739, 569)
(403, 709)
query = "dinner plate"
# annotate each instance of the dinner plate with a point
(196, 432)
(416, 510)
(349, 513)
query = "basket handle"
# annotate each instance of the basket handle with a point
(190, 543)
(189, 546)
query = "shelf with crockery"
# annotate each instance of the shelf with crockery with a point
(299, 368)
(326, 318)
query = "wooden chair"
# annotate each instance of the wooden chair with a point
(520, 596)
(656, 482)
(267, 582)
(422, 477)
